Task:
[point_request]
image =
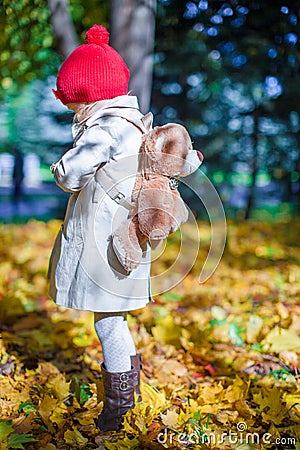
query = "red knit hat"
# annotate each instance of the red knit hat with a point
(93, 71)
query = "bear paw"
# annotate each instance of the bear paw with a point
(129, 258)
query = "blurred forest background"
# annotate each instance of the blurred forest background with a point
(228, 70)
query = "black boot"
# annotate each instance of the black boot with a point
(118, 398)
(136, 363)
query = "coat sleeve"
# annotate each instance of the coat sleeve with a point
(79, 164)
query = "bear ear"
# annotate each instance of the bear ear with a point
(148, 120)
(159, 143)
(154, 145)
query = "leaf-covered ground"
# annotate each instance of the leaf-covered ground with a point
(221, 360)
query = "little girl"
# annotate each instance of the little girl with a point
(84, 271)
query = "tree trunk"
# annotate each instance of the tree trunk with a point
(287, 187)
(132, 35)
(298, 171)
(63, 27)
(254, 167)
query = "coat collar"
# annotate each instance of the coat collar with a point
(98, 108)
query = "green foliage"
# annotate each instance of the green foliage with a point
(13, 440)
(86, 13)
(6, 429)
(25, 43)
(17, 440)
(27, 407)
(28, 49)
(82, 392)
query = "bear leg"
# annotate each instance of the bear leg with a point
(127, 241)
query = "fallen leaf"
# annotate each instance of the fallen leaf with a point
(253, 328)
(58, 416)
(46, 408)
(75, 438)
(17, 440)
(193, 378)
(169, 419)
(59, 386)
(236, 391)
(6, 429)
(49, 447)
(270, 404)
(279, 339)
(151, 395)
(166, 330)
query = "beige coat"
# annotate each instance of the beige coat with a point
(84, 271)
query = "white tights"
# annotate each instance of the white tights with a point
(116, 341)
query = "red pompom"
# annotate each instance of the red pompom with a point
(98, 35)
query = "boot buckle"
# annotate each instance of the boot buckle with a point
(123, 381)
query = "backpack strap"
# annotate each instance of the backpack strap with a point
(109, 186)
(144, 124)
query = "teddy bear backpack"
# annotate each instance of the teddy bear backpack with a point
(156, 208)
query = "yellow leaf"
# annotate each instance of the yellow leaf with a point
(237, 391)
(75, 438)
(46, 408)
(111, 445)
(254, 327)
(140, 423)
(152, 396)
(128, 423)
(170, 419)
(212, 409)
(58, 415)
(244, 409)
(293, 405)
(227, 417)
(291, 359)
(123, 444)
(279, 339)
(292, 399)
(166, 330)
(59, 386)
(270, 404)
(210, 394)
(139, 418)
(87, 417)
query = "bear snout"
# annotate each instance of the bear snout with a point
(200, 155)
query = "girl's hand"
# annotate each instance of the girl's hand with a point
(53, 167)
